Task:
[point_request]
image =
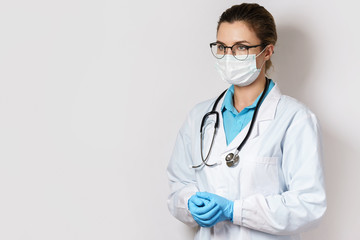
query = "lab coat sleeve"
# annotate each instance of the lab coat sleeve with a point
(304, 201)
(181, 177)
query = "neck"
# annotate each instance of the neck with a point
(245, 96)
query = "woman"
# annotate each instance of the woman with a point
(259, 176)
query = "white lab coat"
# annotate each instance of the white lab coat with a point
(278, 186)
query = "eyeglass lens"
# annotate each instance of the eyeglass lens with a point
(239, 51)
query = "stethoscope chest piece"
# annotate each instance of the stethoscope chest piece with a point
(231, 160)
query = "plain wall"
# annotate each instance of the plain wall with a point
(93, 93)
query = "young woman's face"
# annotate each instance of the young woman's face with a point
(239, 32)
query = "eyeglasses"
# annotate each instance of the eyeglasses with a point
(238, 50)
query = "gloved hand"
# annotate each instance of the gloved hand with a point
(208, 209)
(202, 210)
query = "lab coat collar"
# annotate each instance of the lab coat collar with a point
(268, 107)
(267, 110)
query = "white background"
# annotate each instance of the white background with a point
(93, 92)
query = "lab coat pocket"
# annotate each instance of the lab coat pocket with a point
(260, 175)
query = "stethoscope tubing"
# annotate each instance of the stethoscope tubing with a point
(254, 116)
(232, 156)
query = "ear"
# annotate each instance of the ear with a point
(269, 51)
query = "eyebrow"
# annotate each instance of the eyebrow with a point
(243, 41)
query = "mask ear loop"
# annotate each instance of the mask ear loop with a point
(261, 51)
(259, 55)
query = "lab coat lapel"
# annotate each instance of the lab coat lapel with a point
(266, 112)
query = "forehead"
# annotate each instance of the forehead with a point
(230, 33)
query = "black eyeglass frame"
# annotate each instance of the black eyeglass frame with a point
(247, 49)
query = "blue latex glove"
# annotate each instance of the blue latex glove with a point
(202, 210)
(208, 209)
(196, 202)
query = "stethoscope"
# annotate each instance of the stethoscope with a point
(232, 159)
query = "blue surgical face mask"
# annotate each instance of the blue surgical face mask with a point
(240, 73)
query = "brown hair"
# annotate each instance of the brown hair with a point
(257, 18)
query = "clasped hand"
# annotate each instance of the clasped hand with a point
(208, 209)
